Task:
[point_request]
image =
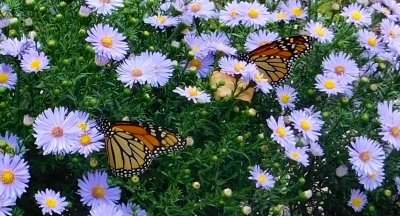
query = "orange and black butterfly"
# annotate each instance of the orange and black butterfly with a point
(131, 146)
(276, 60)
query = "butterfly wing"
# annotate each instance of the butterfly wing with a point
(276, 59)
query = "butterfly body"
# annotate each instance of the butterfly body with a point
(132, 146)
(275, 60)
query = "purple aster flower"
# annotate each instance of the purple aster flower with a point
(229, 14)
(8, 78)
(136, 69)
(13, 145)
(161, 21)
(162, 68)
(197, 45)
(357, 15)
(85, 11)
(297, 154)
(203, 65)
(95, 191)
(397, 180)
(390, 124)
(366, 155)
(357, 200)
(34, 62)
(50, 202)
(126, 208)
(257, 39)
(200, 9)
(108, 42)
(340, 65)
(101, 60)
(10, 46)
(104, 7)
(218, 41)
(5, 22)
(194, 94)
(281, 134)
(263, 178)
(253, 14)
(308, 125)
(262, 83)
(5, 205)
(390, 31)
(295, 10)
(370, 41)
(14, 176)
(55, 131)
(106, 210)
(318, 31)
(387, 113)
(89, 141)
(231, 66)
(286, 96)
(372, 181)
(331, 85)
(316, 149)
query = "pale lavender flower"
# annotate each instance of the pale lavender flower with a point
(263, 178)
(85, 11)
(370, 41)
(372, 181)
(229, 14)
(35, 62)
(340, 65)
(366, 155)
(136, 69)
(203, 65)
(104, 7)
(386, 112)
(262, 83)
(161, 21)
(14, 176)
(308, 125)
(89, 141)
(257, 39)
(253, 14)
(14, 144)
(106, 210)
(161, 66)
(390, 31)
(101, 60)
(50, 202)
(194, 94)
(357, 200)
(357, 15)
(203, 9)
(5, 206)
(8, 78)
(316, 149)
(397, 180)
(341, 170)
(126, 208)
(297, 154)
(330, 84)
(295, 10)
(281, 134)
(197, 45)
(11, 46)
(286, 96)
(318, 31)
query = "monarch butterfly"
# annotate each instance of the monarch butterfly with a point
(275, 60)
(131, 146)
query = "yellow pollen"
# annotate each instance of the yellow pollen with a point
(4, 78)
(357, 16)
(395, 131)
(51, 203)
(36, 64)
(253, 13)
(330, 84)
(357, 202)
(297, 11)
(239, 67)
(393, 34)
(98, 192)
(193, 92)
(281, 15)
(295, 155)
(83, 126)
(196, 48)
(320, 31)
(7, 177)
(340, 70)
(86, 140)
(195, 63)
(259, 77)
(262, 179)
(137, 73)
(373, 176)
(161, 19)
(107, 42)
(365, 156)
(305, 125)
(281, 131)
(57, 132)
(234, 13)
(285, 98)
(372, 42)
(196, 7)
(105, 1)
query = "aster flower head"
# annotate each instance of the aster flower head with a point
(106, 210)
(331, 85)
(10, 46)
(318, 31)
(366, 155)
(194, 94)
(295, 10)
(12, 145)
(262, 83)
(229, 15)
(218, 41)
(55, 131)
(161, 21)
(5, 205)
(390, 31)
(341, 170)
(370, 41)
(101, 60)
(316, 149)
(281, 134)
(197, 45)
(35, 62)
(357, 15)
(203, 65)
(342, 66)
(372, 181)
(257, 39)
(162, 68)
(200, 9)
(50, 202)
(85, 11)
(298, 154)
(232, 66)
(387, 113)
(263, 178)
(94, 190)
(135, 70)
(308, 125)
(280, 14)
(108, 42)
(14, 176)
(390, 132)
(253, 14)
(126, 208)
(8, 78)
(286, 96)
(104, 7)
(89, 141)
(357, 200)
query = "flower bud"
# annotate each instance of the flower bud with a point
(28, 120)
(189, 141)
(227, 192)
(196, 185)
(246, 210)
(135, 179)
(341, 170)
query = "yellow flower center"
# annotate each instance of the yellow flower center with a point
(395, 131)
(285, 98)
(234, 13)
(330, 84)
(51, 203)
(107, 42)
(320, 31)
(196, 7)
(281, 15)
(259, 77)
(393, 34)
(253, 13)
(373, 176)
(305, 125)
(7, 177)
(36, 65)
(98, 192)
(193, 92)
(339, 70)
(137, 73)
(83, 126)
(297, 11)
(295, 155)
(86, 140)
(196, 48)
(195, 63)
(161, 19)
(372, 42)
(281, 132)
(239, 67)
(357, 16)
(357, 202)
(262, 179)
(365, 156)
(4, 78)
(57, 132)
